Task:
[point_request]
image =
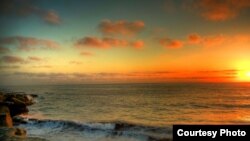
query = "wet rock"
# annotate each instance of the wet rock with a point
(5, 118)
(20, 99)
(12, 105)
(16, 134)
(20, 132)
(19, 120)
(17, 103)
(18, 110)
(12, 132)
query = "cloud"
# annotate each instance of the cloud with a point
(25, 8)
(169, 43)
(226, 41)
(138, 44)
(121, 27)
(4, 50)
(207, 41)
(107, 77)
(210, 41)
(224, 72)
(16, 59)
(41, 66)
(34, 58)
(29, 43)
(194, 38)
(92, 42)
(12, 59)
(84, 53)
(9, 67)
(93, 76)
(75, 62)
(51, 17)
(95, 42)
(220, 10)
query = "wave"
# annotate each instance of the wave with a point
(71, 130)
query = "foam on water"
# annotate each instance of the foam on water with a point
(55, 130)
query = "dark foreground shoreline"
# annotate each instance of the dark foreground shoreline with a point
(15, 128)
(11, 106)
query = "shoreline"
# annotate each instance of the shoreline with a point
(18, 128)
(12, 105)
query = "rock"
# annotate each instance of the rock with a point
(5, 118)
(20, 99)
(16, 134)
(1, 97)
(12, 132)
(19, 120)
(34, 95)
(20, 132)
(17, 103)
(13, 104)
(17, 110)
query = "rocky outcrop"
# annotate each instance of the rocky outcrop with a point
(17, 103)
(5, 118)
(13, 104)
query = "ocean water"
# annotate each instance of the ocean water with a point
(131, 112)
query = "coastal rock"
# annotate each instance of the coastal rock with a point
(16, 134)
(17, 103)
(12, 132)
(19, 120)
(20, 99)
(5, 118)
(12, 105)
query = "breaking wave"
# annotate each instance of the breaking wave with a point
(54, 130)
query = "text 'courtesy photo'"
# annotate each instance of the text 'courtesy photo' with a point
(124, 70)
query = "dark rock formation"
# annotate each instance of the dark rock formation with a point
(5, 119)
(17, 103)
(16, 134)
(13, 104)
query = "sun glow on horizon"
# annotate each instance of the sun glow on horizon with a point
(244, 76)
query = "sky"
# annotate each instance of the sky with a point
(132, 41)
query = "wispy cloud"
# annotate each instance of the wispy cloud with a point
(207, 41)
(170, 43)
(12, 59)
(34, 58)
(4, 50)
(211, 41)
(9, 67)
(194, 38)
(8, 59)
(41, 66)
(29, 43)
(85, 53)
(137, 44)
(157, 76)
(220, 10)
(224, 72)
(121, 27)
(95, 42)
(75, 62)
(51, 17)
(27, 8)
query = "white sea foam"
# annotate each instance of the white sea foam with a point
(55, 130)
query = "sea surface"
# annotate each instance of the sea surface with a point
(131, 112)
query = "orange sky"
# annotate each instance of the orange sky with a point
(59, 42)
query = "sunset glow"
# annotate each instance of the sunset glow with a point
(153, 41)
(244, 76)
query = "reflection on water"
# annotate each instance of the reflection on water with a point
(146, 104)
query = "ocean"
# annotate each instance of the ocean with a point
(131, 112)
